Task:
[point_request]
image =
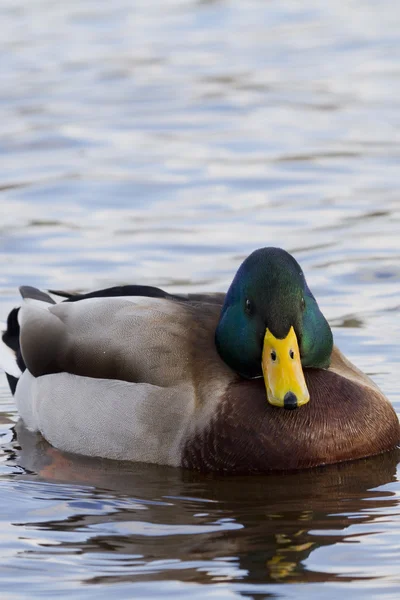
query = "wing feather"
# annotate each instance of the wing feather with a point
(131, 339)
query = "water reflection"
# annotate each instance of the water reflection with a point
(133, 520)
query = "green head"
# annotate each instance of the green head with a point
(271, 325)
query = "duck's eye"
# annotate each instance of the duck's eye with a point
(248, 306)
(303, 304)
(273, 355)
(291, 354)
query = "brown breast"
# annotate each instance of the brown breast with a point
(344, 420)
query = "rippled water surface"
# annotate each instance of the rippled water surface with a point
(161, 142)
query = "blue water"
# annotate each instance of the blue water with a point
(161, 143)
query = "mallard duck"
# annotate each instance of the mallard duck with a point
(196, 381)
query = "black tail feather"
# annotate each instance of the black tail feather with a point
(120, 290)
(27, 291)
(11, 335)
(61, 293)
(12, 382)
(11, 339)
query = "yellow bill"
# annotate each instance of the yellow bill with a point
(282, 370)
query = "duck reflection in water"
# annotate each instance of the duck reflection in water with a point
(254, 529)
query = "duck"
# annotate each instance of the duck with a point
(244, 382)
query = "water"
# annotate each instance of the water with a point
(161, 142)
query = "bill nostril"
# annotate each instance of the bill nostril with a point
(290, 401)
